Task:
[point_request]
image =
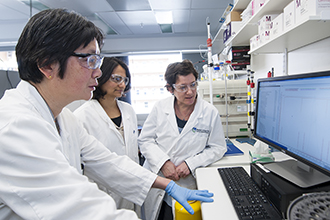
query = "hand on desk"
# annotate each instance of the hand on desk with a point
(183, 195)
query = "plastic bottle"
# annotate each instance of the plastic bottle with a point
(229, 72)
(216, 73)
(204, 74)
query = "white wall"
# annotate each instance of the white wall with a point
(311, 58)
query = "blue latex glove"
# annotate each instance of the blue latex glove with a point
(182, 195)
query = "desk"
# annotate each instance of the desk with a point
(236, 160)
(222, 208)
(209, 178)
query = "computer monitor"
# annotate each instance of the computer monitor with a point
(293, 115)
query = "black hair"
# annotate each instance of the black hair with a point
(107, 68)
(174, 70)
(52, 36)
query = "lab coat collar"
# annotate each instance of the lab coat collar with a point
(170, 113)
(101, 112)
(30, 93)
(122, 110)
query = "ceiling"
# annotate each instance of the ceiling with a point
(130, 25)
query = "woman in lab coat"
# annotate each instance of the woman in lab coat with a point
(42, 144)
(182, 132)
(111, 121)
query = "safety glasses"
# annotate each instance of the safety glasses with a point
(119, 79)
(184, 88)
(93, 61)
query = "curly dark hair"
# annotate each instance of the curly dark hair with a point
(108, 66)
(52, 36)
(174, 70)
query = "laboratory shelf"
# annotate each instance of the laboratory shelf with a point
(306, 32)
(241, 5)
(250, 28)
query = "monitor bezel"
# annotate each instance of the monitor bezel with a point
(278, 146)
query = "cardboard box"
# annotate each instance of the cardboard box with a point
(289, 16)
(276, 26)
(306, 8)
(264, 24)
(233, 16)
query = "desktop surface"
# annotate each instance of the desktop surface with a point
(209, 178)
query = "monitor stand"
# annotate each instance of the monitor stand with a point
(296, 172)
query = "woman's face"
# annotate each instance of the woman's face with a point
(188, 97)
(79, 81)
(113, 89)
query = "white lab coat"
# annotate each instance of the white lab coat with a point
(40, 171)
(97, 123)
(200, 143)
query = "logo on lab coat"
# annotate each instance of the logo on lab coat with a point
(200, 130)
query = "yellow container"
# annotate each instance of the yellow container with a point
(182, 214)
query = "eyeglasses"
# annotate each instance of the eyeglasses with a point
(94, 61)
(119, 79)
(184, 88)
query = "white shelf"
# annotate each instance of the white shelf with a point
(302, 34)
(241, 5)
(242, 37)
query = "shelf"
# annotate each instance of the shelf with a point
(241, 5)
(302, 34)
(242, 37)
(217, 42)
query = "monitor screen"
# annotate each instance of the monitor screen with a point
(293, 115)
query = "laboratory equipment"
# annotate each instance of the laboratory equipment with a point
(236, 104)
(209, 59)
(310, 206)
(181, 213)
(292, 115)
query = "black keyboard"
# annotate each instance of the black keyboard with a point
(247, 198)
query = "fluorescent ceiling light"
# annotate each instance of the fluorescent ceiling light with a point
(166, 28)
(164, 17)
(8, 43)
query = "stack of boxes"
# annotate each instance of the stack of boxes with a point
(233, 24)
(272, 25)
(305, 8)
(240, 57)
(264, 27)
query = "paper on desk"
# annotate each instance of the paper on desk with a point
(261, 148)
(261, 153)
